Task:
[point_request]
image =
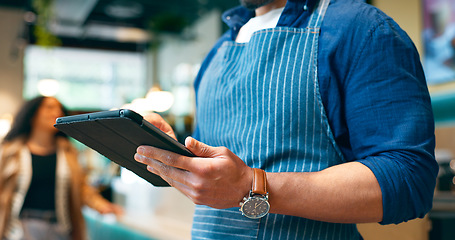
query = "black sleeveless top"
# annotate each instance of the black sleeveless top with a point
(41, 194)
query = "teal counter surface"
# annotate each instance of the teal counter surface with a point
(443, 108)
(101, 227)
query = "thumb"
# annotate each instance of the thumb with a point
(199, 149)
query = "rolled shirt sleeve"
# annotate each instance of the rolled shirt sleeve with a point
(390, 121)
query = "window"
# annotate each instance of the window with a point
(86, 79)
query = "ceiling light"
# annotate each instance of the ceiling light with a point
(160, 101)
(124, 9)
(124, 34)
(48, 87)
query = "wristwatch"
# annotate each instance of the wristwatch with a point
(256, 205)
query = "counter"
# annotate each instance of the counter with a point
(150, 213)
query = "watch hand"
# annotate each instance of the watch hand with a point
(258, 204)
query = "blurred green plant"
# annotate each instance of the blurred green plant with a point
(45, 14)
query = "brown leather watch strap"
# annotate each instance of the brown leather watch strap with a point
(259, 182)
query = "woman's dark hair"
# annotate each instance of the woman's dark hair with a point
(22, 125)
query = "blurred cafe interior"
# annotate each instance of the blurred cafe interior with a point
(143, 55)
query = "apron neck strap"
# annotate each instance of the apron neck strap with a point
(318, 14)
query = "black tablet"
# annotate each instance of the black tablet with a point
(117, 134)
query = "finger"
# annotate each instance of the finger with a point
(166, 157)
(155, 119)
(167, 172)
(159, 122)
(175, 177)
(200, 149)
(183, 187)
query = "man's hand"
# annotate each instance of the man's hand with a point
(216, 178)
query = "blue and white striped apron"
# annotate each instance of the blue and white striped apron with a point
(261, 100)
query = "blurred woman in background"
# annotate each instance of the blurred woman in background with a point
(42, 186)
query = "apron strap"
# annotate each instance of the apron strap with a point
(318, 14)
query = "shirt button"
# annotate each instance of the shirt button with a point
(228, 18)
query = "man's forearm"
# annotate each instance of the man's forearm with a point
(346, 193)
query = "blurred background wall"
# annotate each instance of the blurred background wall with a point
(11, 64)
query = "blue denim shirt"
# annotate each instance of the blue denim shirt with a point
(374, 91)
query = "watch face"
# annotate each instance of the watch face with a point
(255, 207)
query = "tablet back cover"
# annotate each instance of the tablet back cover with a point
(117, 138)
